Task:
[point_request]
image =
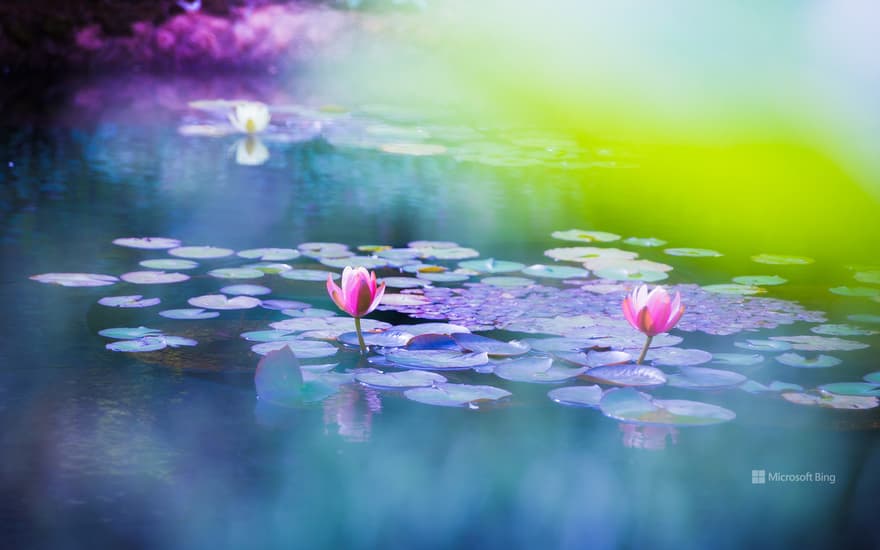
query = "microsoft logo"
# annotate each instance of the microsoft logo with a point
(759, 477)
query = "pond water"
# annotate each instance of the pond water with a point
(173, 448)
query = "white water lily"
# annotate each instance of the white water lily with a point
(250, 117)
(250, 151)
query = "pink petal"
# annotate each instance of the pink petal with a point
(378, 298)
(629, 313)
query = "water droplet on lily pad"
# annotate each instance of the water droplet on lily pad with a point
(693, 252)
(851, 388)
(200, 252)
(270, 254)
(147, 243)
(154, 277)
(163, 264)
(220, 301)
(648, 242)
(585, 236)
(456, 395)
(700, 378)
(797, 360)
(780, 259)
(134, 301)
(125, 333)
(189, 313)
(309, 275)
(400, 380)
(677, 357)
(433, 359)
(577, 396)
(75, 279)
(631, 406)
(855, 291)
(760, 280)
(555, 272)
(627, 375)
(540, 370)
(246, 290)
(236, 273)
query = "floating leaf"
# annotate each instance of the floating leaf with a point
(188, 313)
(284, 304)
(738, 359)
(153, 277)
(624, 274)
(367, 262)
(236, 273)
(535, 370)
(123, 333)
(842, 330)
(779, 259)
(477, 343)
(693, 252)
(390, 338)
(310, 312)
(628, 265)
(392, 299)
(851, 388)
(760, 280)
(647, 242)
(594, 358)
(308, 274)
(269, 268)
(433, 359)
(135, 301)
(400, 380)
(491, 265)
(507, 282)
(864, 318)
(403, 282)
(449, 253)
(577, 396)
(699, 378)
(432, 328)
(448, 277)
(145, 344)
(763, 345)
(334, 325)
(798, 360)
(832, 401)
(820, 343)
(169, 263)
(677, 357)
(304, 349)
(270, 254)
(200, 252)
(246, 290)
(857, 291)
(872, 277)
(75, 279)
(433, 341)
(147, 243)
(629, 405)
(583, 253)
(268, 335)
(873, 377)
(585, 236)
(555, 272)
(432, 244)
(627, 375)
(177, 341)
(456, 395)
(734, 288)
(220, 301)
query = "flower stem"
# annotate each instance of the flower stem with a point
(641, 356)
(357, 327)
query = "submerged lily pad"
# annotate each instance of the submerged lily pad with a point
(842, 330)
(812, 342)
(189, 313)
(246, 290)
(631, 406)
(798, 360)
(436, 359)
(647, 242)
(220, 301)
(700, 378)
(477, 343)
(555, 272)
(125, 333)
(147, 243)
(577, 396)
(456, 395)
(169, 263)
(200, 252)
(851, 388)
(309, 274)
(857, 291)
(760, 280)
(627, 375)
(677, 357)
(733, 288)
(154, 277)
(279, 380)
(585, 236)
(491, 265)
(134, 301)
(780, 259)
(693, 252)
(535, 370)
(75, 279)
(236, 273)
(831, 401)
(270, 254)
(304, 349)
(400, 380)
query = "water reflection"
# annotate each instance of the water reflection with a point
(351, 411)
(250, 151)
(652, 438)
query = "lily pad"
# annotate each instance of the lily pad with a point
(246, 290)
(390, 338)
(693, 252)
(857, 291)
(456, 395)
(236, 273)
(304, 349)
(334, 325)
(147, 243)
(145, 344)
(220, 301)
(851, 388)
(135, 301)
(491, 265)
(432, 328)
(596, 264)
(760, 280)
(398, 300)
(443, 277)
(404, 282)
(367, 262)
(677, 357)
(154, 277)
(780, 259)
(433, 341)
(284, 304)
(798, 360)
(624, 274)
(738, 359)
(831, 401)
(594, 358)
(733, 288)
(449, 253)
(270, 254)
(631, 406)
(583, 253)
(699, 378)
(169, 263)
(432, 244)
(477, 343)
(507, 282)
(873, 377)
(535, 370)
(269, 268)
(585, 236)
(189, 313)
(872, 277)
(200, 252)
(75, 279)
(577, 396)
(436, 359)
(763, 345)
(125, 333)
(842, 330)
(627, 375)
(864, 318)
(317, 275)
(646, 242)
(310, 312)
(279, 380)
(400, 380)
(812, 342)
(555, 272)
(268, 335)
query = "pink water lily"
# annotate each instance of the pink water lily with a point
(652, 313)
(358, 296)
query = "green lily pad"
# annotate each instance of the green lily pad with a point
(831, 401)
(872, 277)
(797, 360)
(842, 330)
(857, 291)
(631, 406)
(400, 380)
(851, 388)
(169, 264)
(436, 359)
(585, 236)
(760, 280)
(540, 370)
(270, 254)
(315, 275)
(647, 242)
(733, 288)
(491, 265)
(623, 274)
(577, 396)
(200, 252)
(780, 259)
(693, 252)
(555, 272)
(236, 273)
